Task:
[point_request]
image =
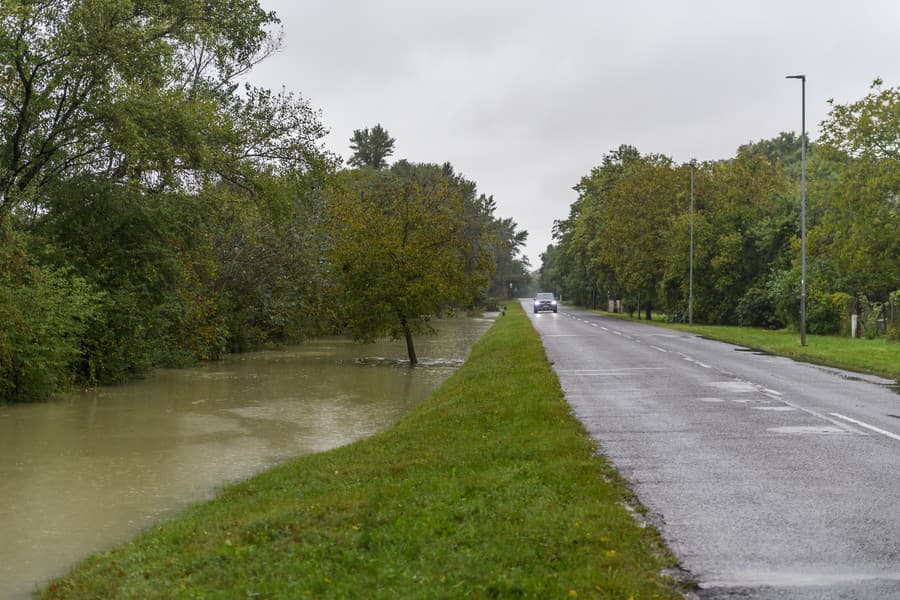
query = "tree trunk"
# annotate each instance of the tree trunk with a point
(649, 311)
(410, 347)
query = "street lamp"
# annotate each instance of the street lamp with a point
(691, 277)
(802, 79)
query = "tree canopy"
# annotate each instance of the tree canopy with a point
(627, 235)
(403, 249)
(155, 212)
(142, 192)
(371, 148)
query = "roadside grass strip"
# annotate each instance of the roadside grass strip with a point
(489, 489)
(878, 356)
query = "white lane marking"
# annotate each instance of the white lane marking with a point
(617, 332)
(819, 415)
(658, 348)
(893, 436)
(604, 328)
(695, 361)
(614, 370)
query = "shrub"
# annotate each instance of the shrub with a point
(756, 309)
(784, 293)
(42, 318)
(825, 313)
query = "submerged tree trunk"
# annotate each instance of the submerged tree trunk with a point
(410, 347)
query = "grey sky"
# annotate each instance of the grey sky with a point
(524, 97)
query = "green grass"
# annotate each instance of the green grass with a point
(874, 356)
(488, 489)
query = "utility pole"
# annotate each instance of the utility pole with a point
(802, 79)
(691, 277)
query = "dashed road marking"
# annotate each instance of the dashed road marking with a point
(893, 436)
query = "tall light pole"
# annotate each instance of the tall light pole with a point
(802, 79)
(691, 277)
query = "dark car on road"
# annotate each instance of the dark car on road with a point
(545, 301)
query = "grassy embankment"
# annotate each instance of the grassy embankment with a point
(488, 489)
(877, 356)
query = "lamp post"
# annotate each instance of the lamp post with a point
(691, 276)
(802, 79)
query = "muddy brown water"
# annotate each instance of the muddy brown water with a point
(90, 470)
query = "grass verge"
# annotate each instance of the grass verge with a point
(488, 489)
(875, 356)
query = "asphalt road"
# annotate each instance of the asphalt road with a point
(768, 478)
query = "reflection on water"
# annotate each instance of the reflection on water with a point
(89, 471)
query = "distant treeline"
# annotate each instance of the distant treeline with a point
(155, 213)
(627, 235)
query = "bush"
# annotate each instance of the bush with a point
(43, 313)
(756, 309)
(893, 326)
(825, 313)
(784, 294)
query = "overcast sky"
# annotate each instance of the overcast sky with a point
(524, 97)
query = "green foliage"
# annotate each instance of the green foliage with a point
(510, 277)
(271, 275)
(146, 254)
(400, 251)
(755, 309)
(827, 313)
(132, 165)
(84, 84)
(893, 326)
(857, 186)
(629, 231)
(784, 293)
(43, 313)
(371, 148)
(781, 152)
(136, 168)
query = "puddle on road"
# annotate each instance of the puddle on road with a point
(755, 351)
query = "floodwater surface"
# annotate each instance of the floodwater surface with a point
(92, 469)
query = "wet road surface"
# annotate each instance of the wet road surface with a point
(768, 478)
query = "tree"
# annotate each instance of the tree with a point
(856, 185)
(510, 268)
(638, 213)
(135, 177)
(371, 148)
(83, 85)
(399, 251)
